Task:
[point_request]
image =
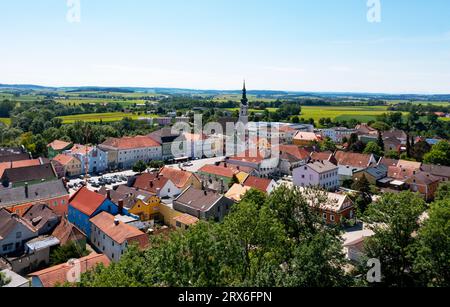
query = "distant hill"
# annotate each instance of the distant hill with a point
(260, 93)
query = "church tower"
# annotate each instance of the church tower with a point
(243, 114)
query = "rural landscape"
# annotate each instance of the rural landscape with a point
(225, 152)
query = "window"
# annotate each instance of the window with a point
(332, 218)
(324, 216)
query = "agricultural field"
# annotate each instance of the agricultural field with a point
(104, 117)
(6, 121)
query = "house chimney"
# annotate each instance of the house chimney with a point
(26, 189)
(121, 206)
(205, 192)
(108, 194)
(116, 222)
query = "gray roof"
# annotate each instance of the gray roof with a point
(378, 172)
(436, 170)
(29, 173)
(198, 199)
(36, 192)
(322, 167)
(39, 215)
(16, 280)
(8, 222)
(41, 243)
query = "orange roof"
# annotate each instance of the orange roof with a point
(58, 274)
(400, 173)
(218, 170)
(179, 178)
(119, 232)
(150, 182)
(186, 219)
(131, 142)
(307, 136)
(248, 156)
(81, 149)
(64, 159)
(409, 164)
(257, 183)
(321, 156)
(86, 201)
(59, 145)
(18, 164)
(237, 191)
(286, 128)
(297, 152)
(353, 159)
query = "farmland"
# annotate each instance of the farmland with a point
(104, 117)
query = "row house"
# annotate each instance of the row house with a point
(125, 152)
(67, 166)
(93, 159)
(349, 163)
(52, 193)
(291, 157)
(157, 185)
(113, 237)
(338, 134)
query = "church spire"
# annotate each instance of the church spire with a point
(244, 99)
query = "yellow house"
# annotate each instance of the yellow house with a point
(146, 210)
(169, 215)
(66, 165)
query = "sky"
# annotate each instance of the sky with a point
(297, 45)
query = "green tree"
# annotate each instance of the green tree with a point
(420, 149)
(4, 280)
(66, 252)
(433, 246)
(395, 219)
(365, 198)
(140, 167)
(373, 148)
(439, 154)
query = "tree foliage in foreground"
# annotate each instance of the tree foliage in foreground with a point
(265, 241)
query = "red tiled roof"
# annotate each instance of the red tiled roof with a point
(119, 232)
(353, 159)
(321, 156)
(66, 232)
(186, 219)
(150, 182)
(179, 178)
(64, 159)
(218, 171)
(131, 142)
(81, 149)
(248, 156)
(18, 164)
(59, 145)
(297, 152)
(307, 136)
(58, 274)
(86, 201)
(237, 168)
(260, 184)
(400, 173)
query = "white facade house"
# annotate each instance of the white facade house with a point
(322, 174)
(112, 237)
(13, 233)
(128, 151)
(338, 134)
(94, 157)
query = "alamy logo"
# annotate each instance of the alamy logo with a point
(374, 11)
(374, 274)
(74, 11)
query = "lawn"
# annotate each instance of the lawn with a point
(6, 121)
(105, 117)
(363, 114)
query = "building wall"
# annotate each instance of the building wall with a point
(304, 176)
(107, 246)
(127, 158)
(16, 239)
(168, 214)
(147, 211)
(58, 204)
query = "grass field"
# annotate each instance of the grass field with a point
(6, 121)
(97, 117)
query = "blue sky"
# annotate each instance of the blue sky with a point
(303, 45)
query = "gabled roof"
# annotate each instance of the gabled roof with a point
(8, 221)
(58, 274)
(128, 195)
(423, 178)
(353, 159)
(219, 171)
(81, 149)
(436, 170)
(307, 136)
(186, 219)
(150, 182)
(294, 151)
(335, 202)
(388, 162)
(248, 156)
(178, 177)
(40, 215)
(400, 173)
(409, 164)
(237, 191)
(321, 167)
(18, 164)
(198, 199)
(164, 135)
(59, 145)
(64, 159)
(131, 142)
(257, 183)
(67, 232)
(36, 192)
(86, 201)
(321, 156)
(29, 173)
(119, 231)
